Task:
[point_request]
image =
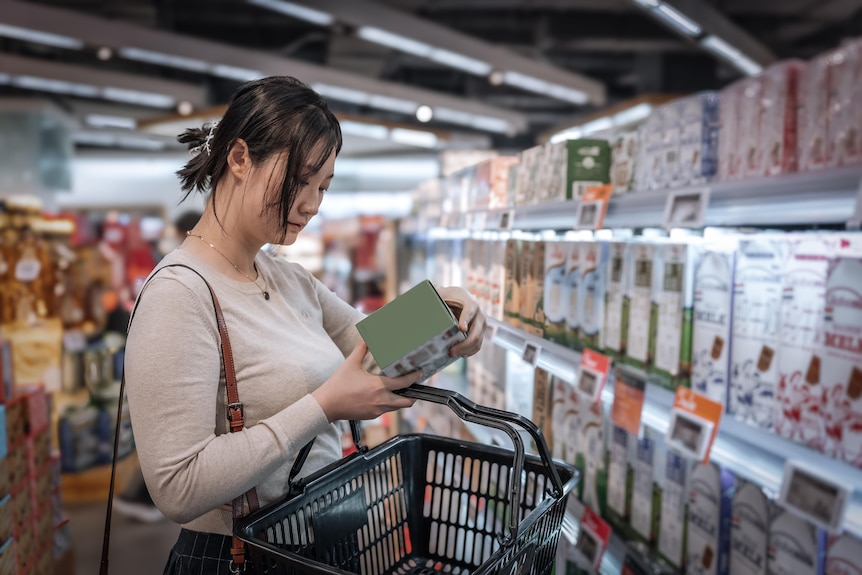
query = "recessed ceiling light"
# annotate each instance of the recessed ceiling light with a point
(104, 53)
(496, 78)
(185, 108)
(424, 113)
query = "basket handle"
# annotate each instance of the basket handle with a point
(472, 412)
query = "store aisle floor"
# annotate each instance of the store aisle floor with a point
(136, 548)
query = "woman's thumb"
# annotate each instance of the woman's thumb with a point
(358, 352)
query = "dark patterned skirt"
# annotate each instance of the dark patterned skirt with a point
(197, 553)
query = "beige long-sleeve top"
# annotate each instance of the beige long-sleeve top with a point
(284, 348)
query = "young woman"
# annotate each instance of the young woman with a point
(298, 356)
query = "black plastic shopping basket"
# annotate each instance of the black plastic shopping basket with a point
(420, 504)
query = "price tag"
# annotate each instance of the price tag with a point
(628, 404)
(694, 423)
(686, 208)
(813, 496)
(593, 207)
(592, 374)
(593, 537)
(531, 353)
(507, 219)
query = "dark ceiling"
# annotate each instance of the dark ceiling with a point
(608, 40)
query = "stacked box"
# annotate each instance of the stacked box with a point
(779, 131)
(642, 282)
(794, 545)
(710, 491)
(624, 162)
(621, 447)
(552, 179)
(671, 536)
(844, 555)
(588, 164)
(556, 296)
(698, 139)
(573, 280)
(616, 289)
(750, 102)
(756, 317)
(814, 99)
(671, 170)
(528, 176)
(591, 298)
(651, 175)
(674, 302)
(498, 181)
(841, 371)
(512, 297)
(729, 157)
(749, 535)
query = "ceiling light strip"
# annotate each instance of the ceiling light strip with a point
(677, 20)
(295, 10)
(39, 37)
(731, 54)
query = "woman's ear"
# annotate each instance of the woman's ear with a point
(238, 159)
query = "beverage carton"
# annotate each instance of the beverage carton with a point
(710, 490)
(795, 546)
(671, 132)
(553, 186)
(573, 280)
(641, 320)
(646, 489)
(671, 537)
(588, 165)
(624, 156)
(749, 534)
(813, 114)
(512, 297)
(620, 447)
(615, 325)
(844, 556)
(591, 458)
(750, 129)
(556, 297)
(699, 133)
(591, 299)
(779, 125)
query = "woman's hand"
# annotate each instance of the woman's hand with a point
(470, 320)
(353, 393)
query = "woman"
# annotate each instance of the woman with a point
(297, 353)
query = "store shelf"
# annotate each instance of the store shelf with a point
(825, 197)
(750, 453)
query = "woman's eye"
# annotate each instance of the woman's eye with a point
(322, 190)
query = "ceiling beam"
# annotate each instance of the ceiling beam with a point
(96, 32)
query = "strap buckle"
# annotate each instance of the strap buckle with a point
(231, 407)
(237, 568)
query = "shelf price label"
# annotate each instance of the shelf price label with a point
(531, 353)
(628, 404)
(694, 421)
(593, 207)
(592, 374)
(856, 221)
(686, 208)
(593, 537)
(507, 219)
(813, 496)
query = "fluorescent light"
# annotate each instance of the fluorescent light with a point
(236, 73)
(139, 143)
(162, 59)
(424, 113)
(597, 125)
(677, 20)
(572, 134)
(107, 139)
(413, 137)
(296, 10)
(56, 86)
(567, 94)
(539, 86)
(453, 116)
(342, 94)
(94, 138)
(150, 99)
(106, 121)
(728, 52)
(647, 3)
(395, 41)
(632, 115)
(40, 37)
(466, 63)
(392, 104)
(5, 78)
(491, 124)
(375, 131)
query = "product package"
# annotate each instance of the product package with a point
(529, 169)
(752, 155)
(642, 282)
(756, 316)
(673, 299)
(588, 165)
(412, 332)
(620, 447)
(842, 362)
(567, 410)
(616, 293)
(648, 473)
(573, 279)
(729, 157)
(650, 164)
(556, 296)
(552, 178)
(698, 139)
(498, 181)
(512, 296)
(591, 458)
(497, 278)
(526, 307)
(842, 125)
(749, 534)
(543, 389)
(671, 537)
(591, 299)
(624, 157)
(672, 172)
(795, 546)
(512, 184)
(713, 312)
(844, 556)
(778, 133)
(813, 117)
(536, 304)
(710, 491)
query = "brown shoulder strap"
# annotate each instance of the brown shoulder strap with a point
(234, 417)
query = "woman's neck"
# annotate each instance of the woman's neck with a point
(216, 242)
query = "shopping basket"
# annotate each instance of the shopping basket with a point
(420, 504)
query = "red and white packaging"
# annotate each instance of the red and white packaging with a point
(842, 64)
(813, 113)
(499, 181)
(728, 149)
(750, 117)
(779, 117)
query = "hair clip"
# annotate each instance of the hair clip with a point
(210, 137)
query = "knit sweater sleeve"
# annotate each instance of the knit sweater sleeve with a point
(339, 317)
(172, 370)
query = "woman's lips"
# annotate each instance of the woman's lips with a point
(296, 227)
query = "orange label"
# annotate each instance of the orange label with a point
(702, 407)
(628, 405)
(593, 374)
(600, 196)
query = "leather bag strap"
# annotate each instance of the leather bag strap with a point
(235, 419)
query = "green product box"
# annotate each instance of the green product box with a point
(588, 164)
(413, 331)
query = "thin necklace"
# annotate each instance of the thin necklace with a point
(264, 291)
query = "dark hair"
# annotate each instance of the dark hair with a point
(187, 220)
(272, 115)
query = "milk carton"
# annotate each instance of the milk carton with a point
(710, 489)
(778, 133)
(698, 140)
(512, 297)
(543, 389)
(641, 320)
(591, 458)
(556, 297)
(512, 184)
(652, 159)
(671, 537)
(528, 176)
(749, 534)
(615, 324)
(713, 312)
(814, 112)
(671, 132)
(573, 280)
(553, 181)
(798, 395)
(794, 546)
(574, 411)
(849, 141)
(591, 300)
(673, 300)
(621, 445)
(565, 419)
(499, 181)
(750, 107)
(842, 363)
(624, 156)
(843, 68)
(756, 317)
(536, 325)
(497, 279)
(526, 307)
(646, 489)
(844, 556)
(729, 157)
